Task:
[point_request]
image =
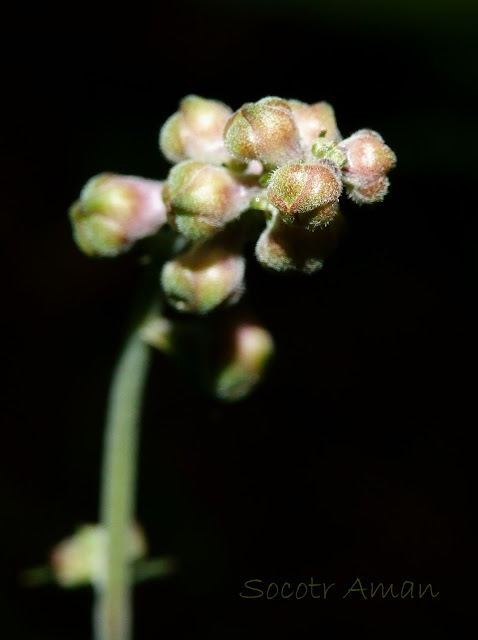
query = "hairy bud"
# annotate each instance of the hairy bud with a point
(368, 160)
(81, 558)
(265, 131)
(114, 211)
(196, 131)
(323, 149)
(282, 247)
(202, 199)
(209, 274)
(313, 120)
(248, 350)
(303, 193)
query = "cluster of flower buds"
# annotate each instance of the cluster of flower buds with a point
(284, 158)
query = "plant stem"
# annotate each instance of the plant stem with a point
(113, 607)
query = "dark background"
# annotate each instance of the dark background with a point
(354, 459)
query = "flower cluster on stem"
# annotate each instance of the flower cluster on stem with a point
(284, 158)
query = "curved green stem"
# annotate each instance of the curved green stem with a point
(113, 609)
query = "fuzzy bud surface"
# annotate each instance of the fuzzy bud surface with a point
(196, 131)
(264, 131)
(114, 211)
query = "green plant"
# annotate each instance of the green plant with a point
(270, 174)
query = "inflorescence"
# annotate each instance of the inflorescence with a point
(271, 173)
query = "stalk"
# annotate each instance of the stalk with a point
(113, 601)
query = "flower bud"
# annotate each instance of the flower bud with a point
(196, 131)
(247, 354)
(158, 332)
(282, 247)
(265, 131)
(314, 119)
(114, 211)
(323, 149)
(209, 274)
(370, 191)
(202, 198)
(303, 192)
(81, 558)
(368, 160)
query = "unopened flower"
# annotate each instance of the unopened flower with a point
(158, 331)
(282, 247)
(264, 131)
(196, 131)
(323, 149)
(81, 558)
(114, 211)
(303, 193)
(368, 160)
(313, 120)
(202, 198)
(209, 274)
(248, 350)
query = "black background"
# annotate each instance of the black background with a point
(354, 459)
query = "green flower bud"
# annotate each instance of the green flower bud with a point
(202, 199)
(303, 193)
(282, 247)
(313, 120)
(209, 274)
(248, 351)
(195, 131)
(158, 332)
(323, 149)
(81, 559)
(368, 160)
(114, 211)
(265, 131)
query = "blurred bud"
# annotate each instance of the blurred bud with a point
(303, 193)
(196, 131)
(202, 198)
(114, 211)
(368, 160)
(158, 332)
(265, 131)
(313, 120)
(248, 350)
(252, 168)
(209, 274)
(282, 247)
(81, 558)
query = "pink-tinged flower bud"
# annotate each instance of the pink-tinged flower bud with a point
(114, 211)
(209, 274)
(282, 247)
(81, 559)
(303, 193)
(368, 160)
(202, 199)
(196, 131)
(249, 348)
(265, 131)
(370, 191)
(313, 120)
